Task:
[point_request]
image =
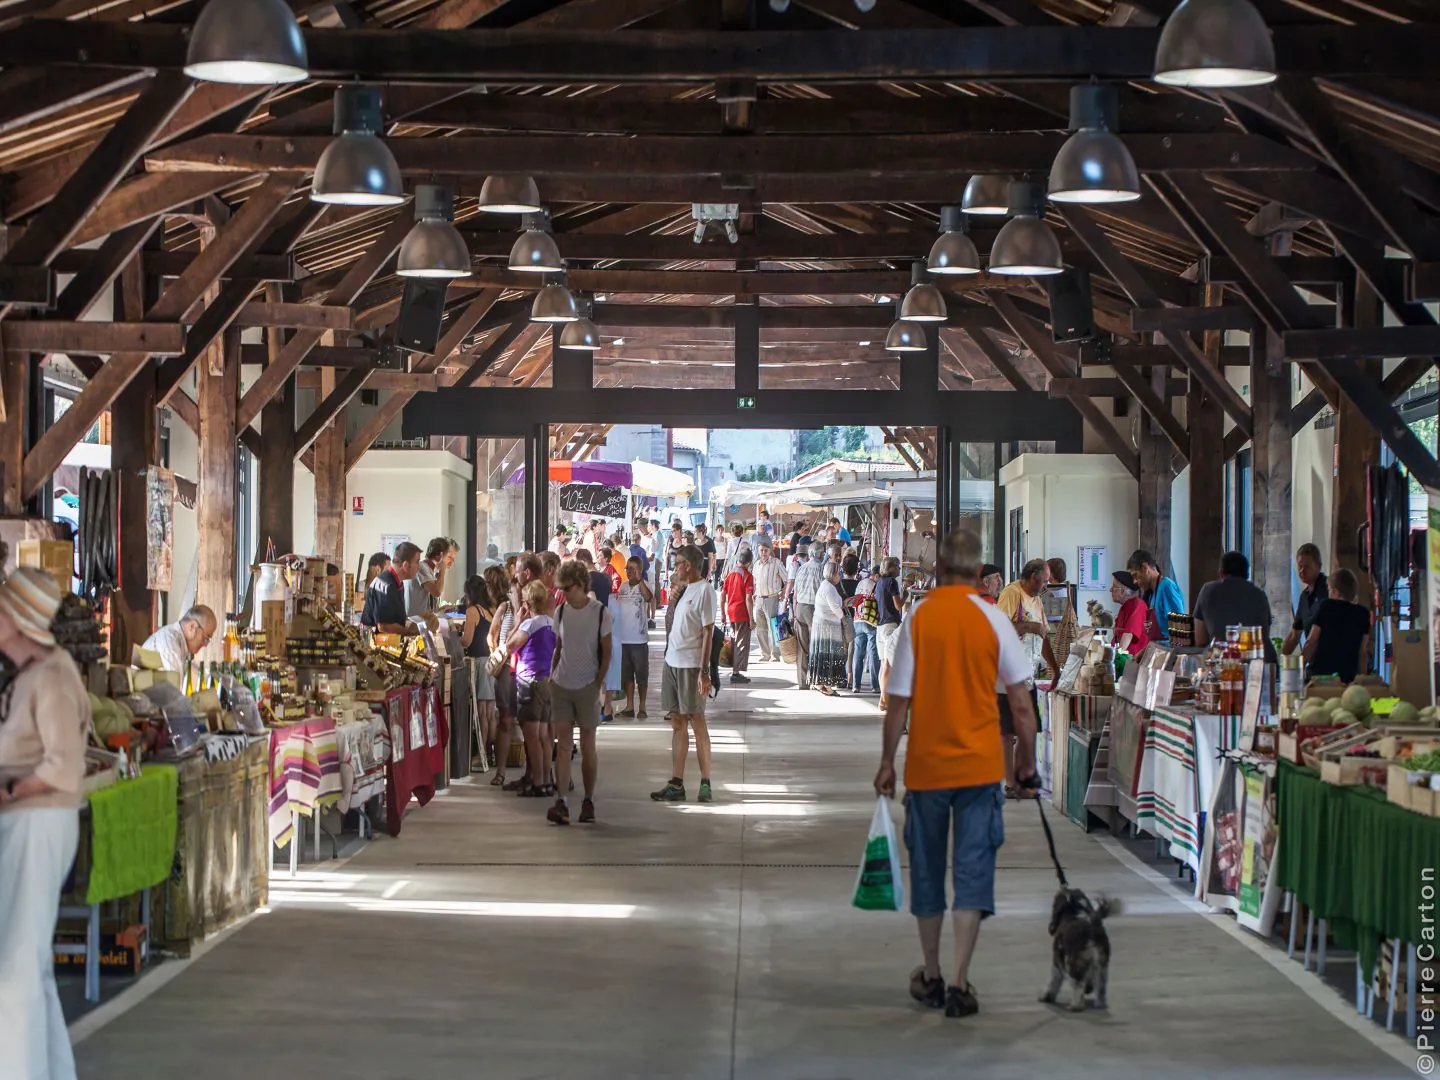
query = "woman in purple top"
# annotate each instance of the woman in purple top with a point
(533, 646)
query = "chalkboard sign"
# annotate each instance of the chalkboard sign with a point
(597, 500)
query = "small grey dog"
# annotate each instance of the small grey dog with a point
(1081, 948)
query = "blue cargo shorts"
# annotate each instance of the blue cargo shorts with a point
(978, 814)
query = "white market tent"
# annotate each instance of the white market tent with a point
(659, 482)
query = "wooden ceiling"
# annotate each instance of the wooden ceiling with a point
(839, 134)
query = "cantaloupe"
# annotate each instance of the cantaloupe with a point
(1330, 704)
(1314, 714)
(1342, 716)
(1404, 713)
(1356, 701)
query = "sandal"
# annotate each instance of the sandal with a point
(1011, 792)
(498, 780)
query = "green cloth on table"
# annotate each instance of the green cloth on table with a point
(1355, 859)
(132, 834)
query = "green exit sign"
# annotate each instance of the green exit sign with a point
(745, 402)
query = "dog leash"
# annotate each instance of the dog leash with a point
(1033, 784)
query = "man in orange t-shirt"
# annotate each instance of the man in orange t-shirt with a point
(951, 652)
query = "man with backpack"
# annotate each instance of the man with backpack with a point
(687, 677)
(584, 634)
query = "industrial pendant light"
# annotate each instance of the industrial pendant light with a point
(582, 334)
(923, 303)
(554, 304)
(1026, 247)
(510, 195)
(905, 337)
(434, 248)
(357, 168)
(954, 252)
(535, 251)
(986, 194)
(248, 43)
(1094, 166)
(1214, 45)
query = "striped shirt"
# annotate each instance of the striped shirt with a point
(808, 578)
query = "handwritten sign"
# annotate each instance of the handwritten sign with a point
(597, 500)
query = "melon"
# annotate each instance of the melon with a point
(1342, 716)
(1404, 713)
(1427, 714)
(1314, 714)
(1356, 700)
(1330, 704)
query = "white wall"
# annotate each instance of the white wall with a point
(1075, 500)
(739, 451)
(419, 493)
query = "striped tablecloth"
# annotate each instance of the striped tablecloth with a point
(1177, 776)
(304, 773)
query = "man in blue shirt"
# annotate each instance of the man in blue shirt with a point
(841, 533)
(1162, 595)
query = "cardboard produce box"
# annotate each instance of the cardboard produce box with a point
(57, 557)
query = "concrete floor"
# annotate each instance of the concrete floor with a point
(702, 942)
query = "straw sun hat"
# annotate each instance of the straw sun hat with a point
(31, 598)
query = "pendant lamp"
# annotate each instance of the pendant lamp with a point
(357, 168)
(1214, 45)
(1094, 166)
(954, 252)
(554, 304)
(582, 334)
(510, 195)
(986, 193)
(924, 302)
(434, 248)
(535, 251)
(247, 43)
(905, 337)
(1026, 247)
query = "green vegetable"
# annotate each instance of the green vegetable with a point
(1427, 762)
(1356, 700)
(1404, 713)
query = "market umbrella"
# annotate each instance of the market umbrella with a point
(658, 481)
(564, 471)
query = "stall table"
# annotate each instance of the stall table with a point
(419, 734)
(1176, 776)
(304, 779)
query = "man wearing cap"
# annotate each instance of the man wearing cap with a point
(44, 725)
(179, 641)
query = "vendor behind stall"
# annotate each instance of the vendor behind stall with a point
(385, 599)
(1130, 634)
(179, 641)
(1339, 638)
(1232, 600)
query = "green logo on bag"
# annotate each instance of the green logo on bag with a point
(875, 891)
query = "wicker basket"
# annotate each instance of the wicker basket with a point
(788, 649)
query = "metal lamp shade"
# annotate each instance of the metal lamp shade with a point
(357, 169)
(248, 43)
(923, 303)
(1213, 44)
(536, 252)
(434, 249)
(905, 337)
(553, 304)
(953, 253)
(510, 195)
(1094, 167)
(582, 334)
(986, 194)
(1026, 248)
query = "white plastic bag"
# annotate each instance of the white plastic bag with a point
(879, 886)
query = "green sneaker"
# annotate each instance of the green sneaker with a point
(671, 792)
(705, 794)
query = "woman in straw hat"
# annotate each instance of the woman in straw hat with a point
(44, 725)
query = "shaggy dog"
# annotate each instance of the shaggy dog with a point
(1081, 948)
(1099, 617)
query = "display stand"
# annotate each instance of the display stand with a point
(419, 733)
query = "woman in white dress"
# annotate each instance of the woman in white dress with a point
(827, 635)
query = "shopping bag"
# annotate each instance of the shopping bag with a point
(879, 886)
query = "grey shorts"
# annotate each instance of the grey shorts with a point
(634, 664)
(534, 699)
(680, 691)
(577, 708)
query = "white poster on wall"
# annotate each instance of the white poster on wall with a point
(390, 541)
(1092, 572)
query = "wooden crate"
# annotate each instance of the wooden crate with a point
(1417, 797)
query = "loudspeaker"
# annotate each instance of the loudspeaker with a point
(1072, 316)
(422, 309)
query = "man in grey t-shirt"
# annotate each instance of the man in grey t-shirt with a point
(584, 633)
(1232, 600)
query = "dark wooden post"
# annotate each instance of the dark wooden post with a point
(217, 385)
(1207, 467)
(135, 447)
(15, 385)
(1357, 447)
(277, 451)
(1156, 475)
(1272, 464)
(330, 481)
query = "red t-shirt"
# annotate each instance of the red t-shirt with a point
(739, 587)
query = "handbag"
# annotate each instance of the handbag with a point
(496, 661)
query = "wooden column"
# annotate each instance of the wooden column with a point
(330, 481)
(1156, 475)
(1207, 467)
(277, 448)
(217, 386)
(134, 448)
(1357, 447)
(15, 405)
(1272, 465)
